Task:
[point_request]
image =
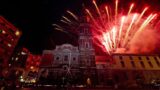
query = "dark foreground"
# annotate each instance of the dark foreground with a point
(75, 88)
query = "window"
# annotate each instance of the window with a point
(87, 45)
(107, 60)
(83, 42)
(9, 37)
(155, 58)
(139, 58)
(2, 42)
(1, 60)
(158, 63)
(120, 57)
(130, 57)
(2, 24)
(6, 35)
(125, 75)
(0, 39)
(88, 61)
(122, 64)
(86, 31)
(133, 64)
(74, 59)
(150, 64)
(90, 42)
(116, 78)
(66, 58)
(57, 58)
(103, 66)
(147, 57)
(65, 68)
(81, 31)
(80, 41)
(10, 30)
(142, 64)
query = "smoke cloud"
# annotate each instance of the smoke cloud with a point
(145, 42)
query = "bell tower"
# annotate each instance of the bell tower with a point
(87, 52)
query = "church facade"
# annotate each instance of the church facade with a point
(68, 63)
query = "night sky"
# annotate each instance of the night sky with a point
(35, 18)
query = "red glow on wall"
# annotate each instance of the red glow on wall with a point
(47, 59)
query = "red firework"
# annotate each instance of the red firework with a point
(114, 30)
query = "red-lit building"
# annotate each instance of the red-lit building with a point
(9, 36)
(33, 62)
(19, 58)
(26, 63)
(47, 57)
(23, 58)
(32, 67)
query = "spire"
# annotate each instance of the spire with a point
(84, 17)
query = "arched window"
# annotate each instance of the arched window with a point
(81, 31)
(65, 58)
(122, 64)
(87, 45)
(150, 64)
(142, 64)
(74, 59)
(156, 60)
(133, 64)
(57, 58)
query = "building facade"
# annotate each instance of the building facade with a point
(24, 63)
(132, 69)
(19, 58)
(9, 36)
(60, 63)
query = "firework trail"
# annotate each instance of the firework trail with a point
(68, 23)
(115, 30)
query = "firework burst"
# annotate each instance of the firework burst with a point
(119, 30)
